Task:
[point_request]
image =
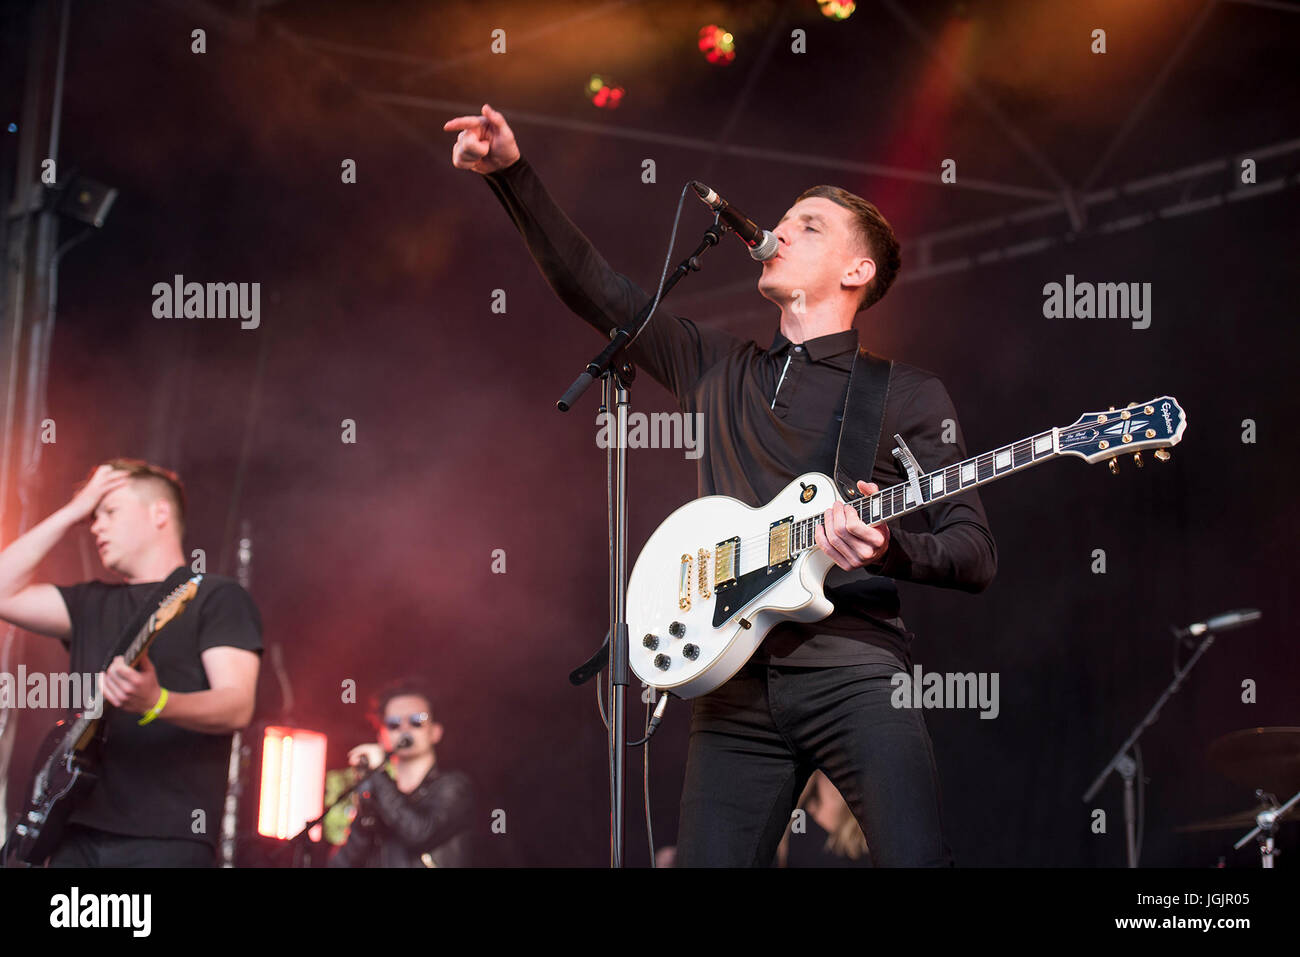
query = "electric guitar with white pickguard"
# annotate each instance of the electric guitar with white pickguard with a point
(718, 575)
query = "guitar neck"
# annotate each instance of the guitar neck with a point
(142, 640)
(80, 730)
(901, 499)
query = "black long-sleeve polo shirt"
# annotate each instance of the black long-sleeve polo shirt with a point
(771, 415)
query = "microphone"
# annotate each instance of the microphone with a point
(762, 244)
(405, 741)
(1225, 622)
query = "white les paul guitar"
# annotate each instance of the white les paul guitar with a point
(717, 575)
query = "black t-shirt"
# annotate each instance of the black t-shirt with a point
(155, 778)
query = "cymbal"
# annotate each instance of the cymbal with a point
(1242, 820)
(1267, 758)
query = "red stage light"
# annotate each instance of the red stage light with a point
(717, 44)
(603, 93)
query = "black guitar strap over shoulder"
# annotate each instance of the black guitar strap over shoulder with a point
(178, 576)
(864, 407)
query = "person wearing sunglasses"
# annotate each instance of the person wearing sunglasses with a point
(411, 812)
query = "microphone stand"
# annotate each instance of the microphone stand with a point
(615, 381)
(1125, 764)
(299, 840)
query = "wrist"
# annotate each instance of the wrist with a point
(157, 708)
(877, 565)
(68, 516)
(507, 167)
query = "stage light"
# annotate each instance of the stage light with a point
(293, 782)
(717, 45)
(86, 200)
(603, 93)
(837, 9)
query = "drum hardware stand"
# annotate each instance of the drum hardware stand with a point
(1267, 821)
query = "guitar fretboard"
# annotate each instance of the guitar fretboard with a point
(897, 500)
(78, 728)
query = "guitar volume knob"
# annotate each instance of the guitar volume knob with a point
(650, 641)
(662, 662)
(677, 629)
(691, 651)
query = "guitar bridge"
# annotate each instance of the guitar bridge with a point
(684, 584)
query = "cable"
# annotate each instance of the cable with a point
(652, 722)
(645, 786)
(663, 277)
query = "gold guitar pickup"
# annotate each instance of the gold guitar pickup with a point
(726, 563)
(684, 584)
(778, 542)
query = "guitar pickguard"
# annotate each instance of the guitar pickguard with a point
(746, 588)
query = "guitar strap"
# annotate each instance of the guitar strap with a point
(864, 407)
(174, 580)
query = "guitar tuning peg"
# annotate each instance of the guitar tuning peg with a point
(1137, 459)
(1114, 465)
(1163, 455)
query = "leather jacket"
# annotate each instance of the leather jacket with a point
(430, 827)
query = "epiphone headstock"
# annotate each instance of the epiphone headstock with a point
(174, 603)
(1156, 424)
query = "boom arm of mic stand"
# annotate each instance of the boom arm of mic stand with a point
(623, 337)
(362, 778)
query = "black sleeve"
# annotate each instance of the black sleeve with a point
(675, 351)
(958, 550)
(76, 598)
(356, 849)
(443, 814)
(229, 618)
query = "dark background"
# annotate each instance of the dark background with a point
(373, 560)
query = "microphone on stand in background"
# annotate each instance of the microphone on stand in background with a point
(1225, 622)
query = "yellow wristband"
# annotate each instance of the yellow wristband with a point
(156, 709)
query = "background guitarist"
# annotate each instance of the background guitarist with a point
(162, 782)
(814, 695)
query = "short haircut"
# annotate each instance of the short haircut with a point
(873, 232)
(407, 686)
(165, 481)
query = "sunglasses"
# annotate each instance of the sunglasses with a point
(416, 720)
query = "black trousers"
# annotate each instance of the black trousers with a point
(88, 847)
(756, 740)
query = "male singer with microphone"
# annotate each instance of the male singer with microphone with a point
(420, 816)
(813, 695)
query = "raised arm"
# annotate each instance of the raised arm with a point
(39, 607)
(671, 349)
